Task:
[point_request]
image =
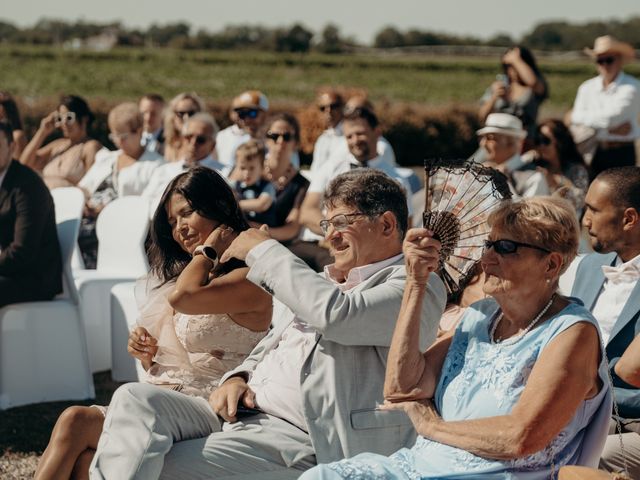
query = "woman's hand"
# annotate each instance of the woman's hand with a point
(48, 123)
(143, 346)
(512, 56)
(422, 413)
(221, 238)
(499, 89)
(421, 254)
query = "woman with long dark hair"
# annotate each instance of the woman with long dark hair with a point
(518, 90)
(64, 161)
(198, 318)
(9, 113)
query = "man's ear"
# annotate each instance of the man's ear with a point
(630, 218)
(389, 224)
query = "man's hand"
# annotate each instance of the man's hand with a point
(248, 239)
(224, 401)
(421, 254)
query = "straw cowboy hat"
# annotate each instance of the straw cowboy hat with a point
(609, 44)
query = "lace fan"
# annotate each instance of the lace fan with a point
(458, 199)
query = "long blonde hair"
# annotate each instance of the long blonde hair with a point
(172, 136)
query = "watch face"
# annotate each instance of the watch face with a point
(209, 252)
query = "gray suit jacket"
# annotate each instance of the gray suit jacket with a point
(342, 378)
(587, 287)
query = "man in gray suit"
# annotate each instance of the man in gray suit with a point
(607, 283)
(309, 390)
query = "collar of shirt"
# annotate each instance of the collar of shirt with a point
(514, 163)
(335, 131)
(358, 275)
(627, 272)
(373, 163)
(613, 85)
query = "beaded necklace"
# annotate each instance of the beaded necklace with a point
(512, 340)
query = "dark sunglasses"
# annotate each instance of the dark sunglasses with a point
(186, 113)
(200, 139)
(605, 60)
(507, 247)
(246, 112)
(542, 140)
(286, 137)
(332, 107)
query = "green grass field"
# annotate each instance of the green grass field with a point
(40, 72)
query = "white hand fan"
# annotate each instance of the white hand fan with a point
(458, 199)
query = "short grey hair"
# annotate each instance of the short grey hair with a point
(205, 118)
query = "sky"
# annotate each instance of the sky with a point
(358, 18)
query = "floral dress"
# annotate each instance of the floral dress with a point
(481, 379)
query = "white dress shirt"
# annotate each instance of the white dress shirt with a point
(227, 142)
(603, 108)
(276, 379)
(616, 290)
(167, 172)
(527, 183)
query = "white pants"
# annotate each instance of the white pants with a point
(143, 423)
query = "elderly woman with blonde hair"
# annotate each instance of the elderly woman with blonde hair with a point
(512, 392)
(181, 107)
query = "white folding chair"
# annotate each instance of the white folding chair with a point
(121, 230)
(43, 351)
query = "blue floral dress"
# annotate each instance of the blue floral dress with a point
(481, 379)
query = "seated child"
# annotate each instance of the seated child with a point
(256, 195)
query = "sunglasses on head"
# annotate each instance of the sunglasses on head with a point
(331, 107)
(605, 60)
(247, 112)
(200, 139)
(286, 137)
(185, 113)
(507, 247)
(64, 119)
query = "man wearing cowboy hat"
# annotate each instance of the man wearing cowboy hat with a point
(502, 138)
(610, 104)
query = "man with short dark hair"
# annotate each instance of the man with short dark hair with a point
(30, 258)
(607, 283)
(151, 107)
(308, 391)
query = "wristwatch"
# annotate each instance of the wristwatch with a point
(208, 252)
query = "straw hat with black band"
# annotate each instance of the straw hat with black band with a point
(610, 45)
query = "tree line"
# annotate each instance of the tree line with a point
(555, 35)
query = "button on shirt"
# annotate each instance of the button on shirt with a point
(276, 379)
(603, 108)
(616, 290)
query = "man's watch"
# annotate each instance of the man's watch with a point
(208, 252)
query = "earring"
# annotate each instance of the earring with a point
(548, 280)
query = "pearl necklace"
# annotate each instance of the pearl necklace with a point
(512, 340)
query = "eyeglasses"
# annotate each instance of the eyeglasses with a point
(184, 114)
(340, 222)
(507, 247)
(115, 137)
(64, 119)
(605, 60)
(332, 107)
(200, 139)
(244, 113)
(286, 137)
(542, 140)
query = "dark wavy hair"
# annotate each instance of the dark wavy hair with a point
(211, 197)
(11, 110)
(567, 151)
(527, 57)
(79, 106)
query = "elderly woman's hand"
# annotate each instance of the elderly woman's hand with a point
(422, 413)
(421, 254)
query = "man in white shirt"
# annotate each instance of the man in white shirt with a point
(315, 380)
(610, 104)
(248, 114)
(607, 283)
(502, 138)
(151, 107)
(199, 134)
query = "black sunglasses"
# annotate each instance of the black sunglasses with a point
(332, 107)
(286, 137)
(507, 247)
(246, 112)
(605, 60)
(200, 139)
(186, 113)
